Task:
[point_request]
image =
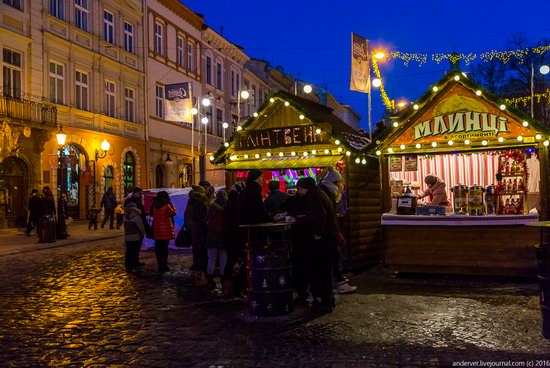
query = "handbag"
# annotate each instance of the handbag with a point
(183, 239)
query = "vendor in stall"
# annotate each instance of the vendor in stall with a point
(436, 191)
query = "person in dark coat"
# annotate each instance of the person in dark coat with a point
(322, 229)
(194, 218)
(48, 202)
(108, 202)
(275, 198)
(233, 241)
(250, 205)
(214, 236)
(163, 212)
(35, 211)
(330, 185)
(135, 198)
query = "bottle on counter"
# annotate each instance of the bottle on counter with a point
(521, 184)
(507, 206)
(507, 168)
(515, 185)
(509, 184)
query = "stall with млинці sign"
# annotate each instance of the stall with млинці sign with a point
(489, 164)
(293, 137)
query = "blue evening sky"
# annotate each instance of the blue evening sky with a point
(311, 39)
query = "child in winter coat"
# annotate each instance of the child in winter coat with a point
(119, 213)
(134, 231)
(93, 213)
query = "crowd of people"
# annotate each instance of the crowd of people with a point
(212, 221)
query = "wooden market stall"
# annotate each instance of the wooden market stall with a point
(293, 137)
(495, 161)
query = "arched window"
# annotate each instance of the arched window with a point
(159, 177)
(184, 177)
(129, 170)
(109, 176)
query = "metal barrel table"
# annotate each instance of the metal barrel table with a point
(543, 275)
(269, 272)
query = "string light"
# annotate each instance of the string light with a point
(484, 142)
(525, 124)
(520, 138)
(390, 150)
(313, 152)
(501, 139)
(503, 107)
(435, 88)
(385, 99)
(268, 154)
(415, 107)
(466, 141)
(402, 146)
(378, 153)
(271, 100)
(478, 93)
(538, 137)
(255, 114)
(226, 144)
(337, 142)
(457, 78)
(348, 153)
(546, 143)
(287, 103)
(301, 117)
(395, 124)
(363, 161)
(434, 144)
(327, 152)
(306, 154)
(450, 143)
(418, 145)
(281, 154)
(318, 131)
(239, 128)
(211, 158)
(340, 149)
(293, 153)
(245, 157)
(257, 155)
(357, 160)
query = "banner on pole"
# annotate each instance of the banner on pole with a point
(178, 102)
(360, 64)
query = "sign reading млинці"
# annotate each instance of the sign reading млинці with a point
(462, 125)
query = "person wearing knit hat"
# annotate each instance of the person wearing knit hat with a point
(436, 191)
(253, 175)
(250, 204)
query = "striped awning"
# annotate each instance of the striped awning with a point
(298, 162)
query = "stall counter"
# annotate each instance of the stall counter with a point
(457, 244)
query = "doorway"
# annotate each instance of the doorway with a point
(14, 189)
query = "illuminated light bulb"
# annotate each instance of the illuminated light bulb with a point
(501, 139)
(257, 155)
(546, 143)
(415, 107)
(379, 55)
(204, 120)
(525, 124)
(337, 142)
(225, 125)
(308, 88)
(340, 149)
(306, 153)
(464, 74)
(205, 102)
(313, 152)
(450, 143)
(194, 111)
(395, 124)
(255, 114)
(293, 153)
(434, 144)
(466, 141)
(245, 94)
(390, 150)
(435, 88)
(357, 160)
(457, 77)
(281, 154)
(211, 158)
(363, 161)
(484, 142)
(418, 145)
(538, 137)
(234, 157)
(348, 153)
(226, 144)
(520, 138)
(317, 131)
(503, 107)
(301, 117)
(327, 152)
(376, 82)
(545, 69)
(271, 100)
(245, 157)
(239, 128)
(401, 104)
(287, 103)
(268, 154)
(378, 153)
(478, 93)
(402, 146)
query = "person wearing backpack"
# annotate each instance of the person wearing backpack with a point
(214, 235)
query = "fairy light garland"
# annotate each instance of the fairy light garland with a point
(526, 99)
(385, 99)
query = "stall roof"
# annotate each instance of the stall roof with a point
(290, 124)
(456, 97)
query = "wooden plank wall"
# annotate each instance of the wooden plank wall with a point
(362, 222)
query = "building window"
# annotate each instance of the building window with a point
(219, 122)
(128, 37)
(158, 38)
(253, 96)
(181, 51)
(18, 4)
(208, 114)
(233, 91)
(237, 82)
(209, 70)
(159, 177)
(57, 83)
(57, 8)
(110, 98)
(81, 90)
(159, 102)
(219, 74)
(129, 104)
(81, 13)
(12, 72)
(128, 171)
(190, 57)
(109, 176)
(108, 26)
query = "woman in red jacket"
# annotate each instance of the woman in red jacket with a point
(163, 212)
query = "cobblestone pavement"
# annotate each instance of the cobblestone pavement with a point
(76, 306)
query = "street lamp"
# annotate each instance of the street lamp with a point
(544, 69)
(99, 153)
(224, 126)
(244, 94)
(61, 228)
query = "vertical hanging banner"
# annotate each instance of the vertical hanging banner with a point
(360, 64)
(178, 102)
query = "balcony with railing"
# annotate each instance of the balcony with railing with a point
(29, 112)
